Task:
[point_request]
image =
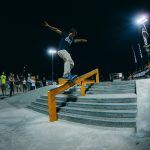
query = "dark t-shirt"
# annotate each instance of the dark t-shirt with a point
(65, 41)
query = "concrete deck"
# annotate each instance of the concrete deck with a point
(24, 129)
(97, 96)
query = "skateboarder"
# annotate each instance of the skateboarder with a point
(64, 45)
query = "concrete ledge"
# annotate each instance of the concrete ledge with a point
(143, 104)
(23, 99)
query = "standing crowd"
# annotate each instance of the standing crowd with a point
(19, 83)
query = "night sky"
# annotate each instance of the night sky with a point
(108, 26)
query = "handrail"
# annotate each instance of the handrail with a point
(53, 92)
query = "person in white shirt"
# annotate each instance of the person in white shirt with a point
(24, 85)
(32, 83)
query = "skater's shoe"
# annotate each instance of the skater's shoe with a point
(71, 77)
(66, 76)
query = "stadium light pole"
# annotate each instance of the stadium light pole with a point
(52, 52)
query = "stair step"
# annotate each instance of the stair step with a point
(98, 100)
(117, 83)
(100, 113)
(45, 101)
(45, 105)
(111, 106)
(91, 100)
(109, 92)
(112, 91)
(38, 109)
(99, 121)
(112, 87)
(90, 112)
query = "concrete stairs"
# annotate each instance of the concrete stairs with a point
(113, 87)
(104, 105)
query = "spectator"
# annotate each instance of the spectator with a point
(24, 85)
(11, 84)
(44, 81)
(21, 81)
(29, 82)
(38, 82)
(18, 83)
(3, 83)
(32, 83)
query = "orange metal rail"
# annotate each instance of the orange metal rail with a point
(52, 93)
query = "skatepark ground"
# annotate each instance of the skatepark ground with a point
(24, 129)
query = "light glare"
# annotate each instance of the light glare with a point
(52, 51)
(142, 20)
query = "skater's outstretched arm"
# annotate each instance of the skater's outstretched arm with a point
(80, 40)
(52, 28)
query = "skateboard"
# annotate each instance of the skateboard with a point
(73, 77)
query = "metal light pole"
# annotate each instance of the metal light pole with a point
(52, 69)
(52, 51)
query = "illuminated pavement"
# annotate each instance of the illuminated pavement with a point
(24, 129)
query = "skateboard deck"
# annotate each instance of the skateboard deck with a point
(73, 78)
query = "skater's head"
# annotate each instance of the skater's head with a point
(73, 32)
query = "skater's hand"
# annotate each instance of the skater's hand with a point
(46, 24)
(80, 40)
(84, 40)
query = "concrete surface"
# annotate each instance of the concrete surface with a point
(143, 103)
(23, 129)
(23, 99)
(97, 96)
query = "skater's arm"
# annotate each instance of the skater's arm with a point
(52, 28)
(80, 40)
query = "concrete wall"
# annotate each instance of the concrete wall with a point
(143, 104)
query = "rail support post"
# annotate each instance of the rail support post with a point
(52, 107)
(83, 88)
(97, 76)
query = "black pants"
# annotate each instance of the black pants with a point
(24, 87)
(11, 88)
(3, 88)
